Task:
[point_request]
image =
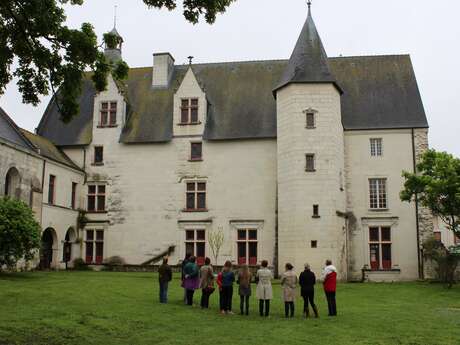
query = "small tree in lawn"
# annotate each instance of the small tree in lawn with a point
(19, 232)
(436, 185)
(216, 240)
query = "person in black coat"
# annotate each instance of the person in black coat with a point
(307, 282)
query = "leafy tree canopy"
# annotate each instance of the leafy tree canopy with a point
(52, 56)
(436, 186)
(19, 232)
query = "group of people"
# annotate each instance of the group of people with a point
(202, 278)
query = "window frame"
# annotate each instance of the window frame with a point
(196, 159)
(108, 123)
(376, 147)
(316, 211)
(52, 189)
(189, 108)
(382, 265)
(73, 197)
(101, 162)
(196, 242)
(313, 160)
(196, 191)
(380, 199)
(313, 118)
(96, 195)
(94, 259)
(248, 259)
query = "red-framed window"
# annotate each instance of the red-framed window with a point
(52, 190)
(196, 196)
(108, 114)
(378, 193)
(195, 244)
(380, 247)
(94, 247)
(96, 198)
(196, 151)
(189, 111)
(98, 155)
(73, 198)
(247, 246)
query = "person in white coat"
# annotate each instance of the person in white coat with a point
(264, 290)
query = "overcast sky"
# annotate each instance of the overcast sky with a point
(267, 29)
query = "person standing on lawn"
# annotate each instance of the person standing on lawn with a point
(206, 283)
(307, 281)
(330, 286)
(244, 290)
(192, 279)
(184, 263)
(164, 277)
(289, 284)
(228, 277)
(221, 295)
(264, 290)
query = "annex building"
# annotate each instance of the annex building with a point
(295, 160)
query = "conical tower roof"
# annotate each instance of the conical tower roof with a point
(308, 62)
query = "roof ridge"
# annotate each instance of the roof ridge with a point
(368, 56)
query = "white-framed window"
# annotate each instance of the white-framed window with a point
(247, 246)
(380, 247)
(94, 246)
(378, 193)
(376, 147)
(96, 197)
(195, 244)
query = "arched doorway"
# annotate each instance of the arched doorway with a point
(12, 183)
(48, 246)
(69, 241)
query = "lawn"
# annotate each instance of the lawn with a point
(122, 308)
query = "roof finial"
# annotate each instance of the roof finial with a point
(190, 59)
(115, 17)
(309, 4)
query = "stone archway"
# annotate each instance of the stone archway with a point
(12, 183)
(48, 249)
(67, 250)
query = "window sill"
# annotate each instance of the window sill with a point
(107, 126)
(96, 212)
(310, 170)
(97, 164)
(378, 209)
(195, 210)
(316, 216)
(309, 127)
(195, 160)
(189, 123)
(391, 270)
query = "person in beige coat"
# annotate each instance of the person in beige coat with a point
(264, 291)
(289, 284)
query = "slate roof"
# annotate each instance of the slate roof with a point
(308, 62)
(379, 92)
(9, 131)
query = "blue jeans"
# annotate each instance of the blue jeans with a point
(164, 292)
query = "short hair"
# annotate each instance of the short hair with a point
(307, 266)
(165, 260)
(192, 258)
(228, 263)
(328, 262)
(207, 261)
(264, 263)
(289, 266)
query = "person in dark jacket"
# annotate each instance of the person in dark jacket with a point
(228, 277)
(184, 263)
(164, 277)
(307, 282)
(192, 279)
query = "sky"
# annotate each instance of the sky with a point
(268, 29)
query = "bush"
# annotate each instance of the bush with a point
(19, 232)
(115, 261)
(80, 265)
(446, 261)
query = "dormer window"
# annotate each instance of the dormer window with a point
(108, 116)
(189, 111)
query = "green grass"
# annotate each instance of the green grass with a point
(122, 308)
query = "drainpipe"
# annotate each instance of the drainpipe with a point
(417, 225)
(43, 192)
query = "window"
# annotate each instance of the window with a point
(380, 248)
(94, 246)
(196, 151)
(189, 111)
(309, 162)
(247, 246)
(96, 198)
(195, 244)
(108, 114)
(98, 155)
(51, 190)
(315, 211)
(378, 193)
(196, 196)
(376, 146)
(314, 244)
(73, 200)
(310, 119)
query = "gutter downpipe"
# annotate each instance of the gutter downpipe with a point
(417, 225)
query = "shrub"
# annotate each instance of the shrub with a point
(80, 265)
(115, 261)
(446, 260)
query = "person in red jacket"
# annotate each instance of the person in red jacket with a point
(221, 297)
(330, 285)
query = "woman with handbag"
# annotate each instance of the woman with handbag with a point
(206, 283)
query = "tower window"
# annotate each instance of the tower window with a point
(310, 119)
(309, 162)
(315, 211)
(314, 244)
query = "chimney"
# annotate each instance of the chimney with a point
(163, 64)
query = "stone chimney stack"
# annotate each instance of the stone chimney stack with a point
(163, 65)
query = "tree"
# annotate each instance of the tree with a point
(19, 232)
(446, 260)
(436, 185)
(216, 240)
(51, 56)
